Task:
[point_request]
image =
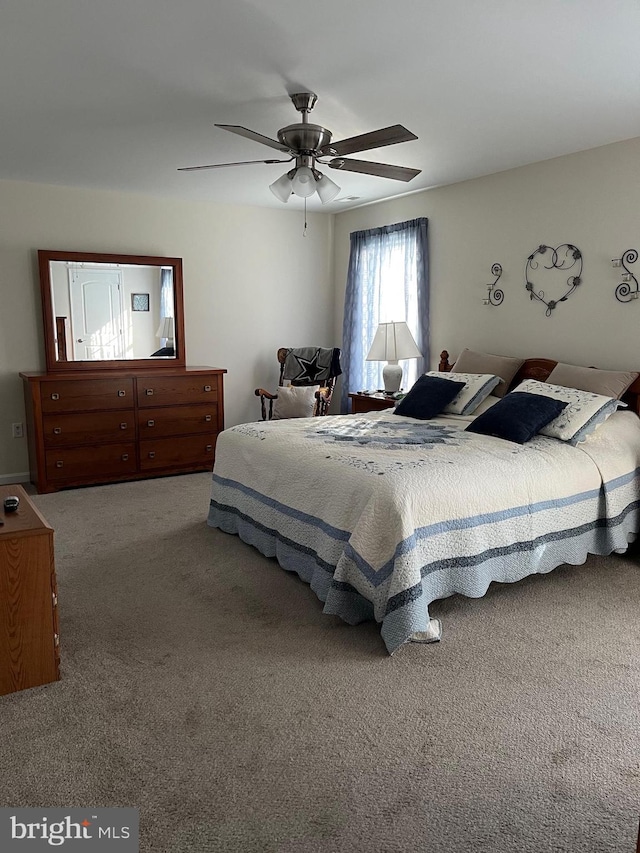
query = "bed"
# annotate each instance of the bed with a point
(383, 514)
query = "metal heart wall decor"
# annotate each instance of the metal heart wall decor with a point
(563, 257)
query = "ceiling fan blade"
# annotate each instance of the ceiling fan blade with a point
(375, 139)
(251, 134)
(381, 170)
(239, 163)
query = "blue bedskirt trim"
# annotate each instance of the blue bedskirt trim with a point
(409, 611)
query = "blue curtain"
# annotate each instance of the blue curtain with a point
(166, 296)
(388, 280)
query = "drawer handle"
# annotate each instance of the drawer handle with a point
(54, 599)
(55, 396)
(209, 447)
(151, 423)
(59, 463)
(57, 430)
(148, 392)
(152, 454)
(207, 387)
(56, 640)
(123, 425)
(125, 457)
(207, 418)
(122, 393)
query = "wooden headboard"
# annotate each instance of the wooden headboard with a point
(540, 368)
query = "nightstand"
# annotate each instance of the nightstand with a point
(361, 403)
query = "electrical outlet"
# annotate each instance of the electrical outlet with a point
(17, 430)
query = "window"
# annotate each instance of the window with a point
(388, 280)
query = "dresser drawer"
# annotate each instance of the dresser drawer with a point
(76, 463)
(88, 395)
(181, 420)
(62, 430)
(169, 390)
(187, 451)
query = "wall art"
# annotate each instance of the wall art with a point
(628, 287)
(563, 257)
(494, 294)
(139, 301)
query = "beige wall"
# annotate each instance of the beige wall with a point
(252, 283)
(590, 199)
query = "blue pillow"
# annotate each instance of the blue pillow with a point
(428, 397)
(518, 416)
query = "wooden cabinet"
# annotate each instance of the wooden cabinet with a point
(29, 646)
(361, 403)
(90, 428)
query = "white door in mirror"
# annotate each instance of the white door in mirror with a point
(96, 314)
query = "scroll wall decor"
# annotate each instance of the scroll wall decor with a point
(563, 257)
(494, 294)
(628, 287)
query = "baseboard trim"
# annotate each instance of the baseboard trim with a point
(6, 479)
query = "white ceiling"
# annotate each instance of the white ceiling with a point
(118, 93)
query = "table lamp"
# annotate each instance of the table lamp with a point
(165, 330)
(392, 343)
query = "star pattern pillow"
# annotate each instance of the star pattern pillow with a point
(311, 365)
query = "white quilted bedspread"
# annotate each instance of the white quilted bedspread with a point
(384, 514)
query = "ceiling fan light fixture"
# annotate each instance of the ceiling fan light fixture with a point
(327, 189)
(282, 188)
(304, 183)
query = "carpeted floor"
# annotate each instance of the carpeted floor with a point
(203, 684)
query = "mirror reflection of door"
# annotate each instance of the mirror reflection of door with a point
(96, 313)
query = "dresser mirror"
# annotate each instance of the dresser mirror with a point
(106, 311)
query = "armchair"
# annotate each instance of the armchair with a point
(304, 368)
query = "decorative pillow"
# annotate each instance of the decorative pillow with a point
(294, 402)
(609, 383)
(482, 362)
(584, 413)
(477, 386)
(428, 397)
(518, 416)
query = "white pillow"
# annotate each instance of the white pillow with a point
(477, 386)
(295, 402)
(579, 419)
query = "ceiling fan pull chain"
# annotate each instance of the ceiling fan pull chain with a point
(304, 230)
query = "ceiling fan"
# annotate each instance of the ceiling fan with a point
(309, 144)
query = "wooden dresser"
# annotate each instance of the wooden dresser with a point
(100, 427)
(29, 647)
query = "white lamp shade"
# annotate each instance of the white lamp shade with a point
(282, 188)
(304, 183)
(165, 329)
(327, 189)
(393, 342)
